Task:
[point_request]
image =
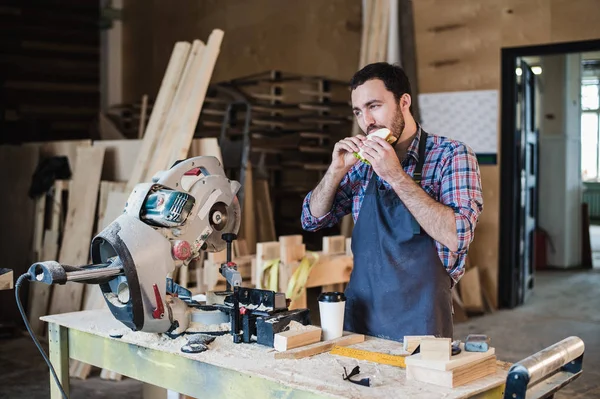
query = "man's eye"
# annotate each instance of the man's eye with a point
(373, 106)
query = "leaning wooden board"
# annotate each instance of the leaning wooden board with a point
(74, 250)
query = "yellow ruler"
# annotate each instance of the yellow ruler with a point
(377, 357)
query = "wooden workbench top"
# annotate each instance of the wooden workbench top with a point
(321, 374)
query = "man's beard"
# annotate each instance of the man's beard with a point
(398, 123)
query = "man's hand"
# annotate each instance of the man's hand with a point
(383, 158)
(343, 152)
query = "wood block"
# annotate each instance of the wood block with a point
(452, 378)
(320, 347)
(436, 348)
(296, 337)
(349, 246)
(334, 245)
(462, 359)
(410, 342)
(7, 281)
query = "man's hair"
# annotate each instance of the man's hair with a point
(394, 78)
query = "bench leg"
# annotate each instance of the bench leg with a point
(59, 357)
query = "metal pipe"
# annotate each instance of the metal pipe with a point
(550, 359)
(89, 274)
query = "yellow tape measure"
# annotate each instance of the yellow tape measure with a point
(377, 357)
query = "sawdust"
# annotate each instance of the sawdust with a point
(200, 327)
(297, 326)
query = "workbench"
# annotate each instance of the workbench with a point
(235, 370)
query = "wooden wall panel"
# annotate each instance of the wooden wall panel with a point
(312, 37)
(525, 22)
(458, 45)
(575, 20)
(469, 37)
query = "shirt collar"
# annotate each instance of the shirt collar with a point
(413, 148)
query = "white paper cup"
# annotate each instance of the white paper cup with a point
(331, 309)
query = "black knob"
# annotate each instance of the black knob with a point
(228, 237)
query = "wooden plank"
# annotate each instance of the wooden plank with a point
(7, 281)
(174, 119)
(83, 195)
(160, 110)
(296, 337)
(200, 85)
(320, 347)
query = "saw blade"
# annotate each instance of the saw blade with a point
(223, 219)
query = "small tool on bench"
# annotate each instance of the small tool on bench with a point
(477, 343)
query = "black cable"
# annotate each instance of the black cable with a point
(37, 343)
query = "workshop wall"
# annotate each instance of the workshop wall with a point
(458, 46)
(311, 37)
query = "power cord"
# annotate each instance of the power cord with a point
(18, 284)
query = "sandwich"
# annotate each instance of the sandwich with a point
(384, 133)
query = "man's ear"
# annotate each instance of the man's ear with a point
(405, 102)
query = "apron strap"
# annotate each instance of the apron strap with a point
(417, 229)
(419, 168)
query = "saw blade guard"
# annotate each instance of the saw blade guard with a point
(216, 210)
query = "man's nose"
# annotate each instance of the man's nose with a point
(368, 119)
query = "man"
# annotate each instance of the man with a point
(415, 208)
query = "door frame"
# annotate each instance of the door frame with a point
(508, 256)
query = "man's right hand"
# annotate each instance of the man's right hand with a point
(343, 152)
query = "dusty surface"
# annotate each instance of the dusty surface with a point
(564, 304)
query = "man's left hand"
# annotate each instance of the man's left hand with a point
(383, 158)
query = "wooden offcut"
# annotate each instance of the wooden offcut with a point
(436, 348)
(296, 337)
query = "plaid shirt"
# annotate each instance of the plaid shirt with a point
(450, 176)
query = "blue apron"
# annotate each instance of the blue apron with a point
(398, 284)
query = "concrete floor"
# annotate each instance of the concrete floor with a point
(564, 304)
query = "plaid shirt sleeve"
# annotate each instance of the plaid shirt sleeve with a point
(342, 205)
(461, 190)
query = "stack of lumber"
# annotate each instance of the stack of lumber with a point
(472, 295)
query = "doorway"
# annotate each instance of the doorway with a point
(539, 191)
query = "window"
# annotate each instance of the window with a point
(590, 132)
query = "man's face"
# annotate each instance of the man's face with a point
(375, 107)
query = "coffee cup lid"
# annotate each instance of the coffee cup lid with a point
(332, 297)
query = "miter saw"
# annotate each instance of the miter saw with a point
(189, 208)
